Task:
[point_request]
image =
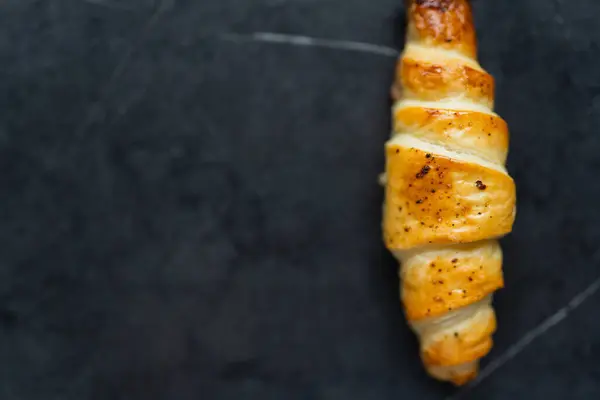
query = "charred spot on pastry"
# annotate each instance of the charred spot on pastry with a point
(407, 229)
(480, 185)
(454, 260)
(419, 201)
(441, 5)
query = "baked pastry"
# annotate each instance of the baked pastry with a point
(448, 195)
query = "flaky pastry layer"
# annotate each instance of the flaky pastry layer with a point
(448, 195)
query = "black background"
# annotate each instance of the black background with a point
(186, 215)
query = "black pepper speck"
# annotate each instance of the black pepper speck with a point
(424, 171)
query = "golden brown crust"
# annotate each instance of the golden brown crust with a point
(446, 24)
(461, 379)
(448, 196)
(438, 81)
(437, 281)
(478, 133)
(432, 199)
(465, 343)
(458, 374)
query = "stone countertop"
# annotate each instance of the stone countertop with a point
(190, 207)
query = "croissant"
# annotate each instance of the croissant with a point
(448, 196)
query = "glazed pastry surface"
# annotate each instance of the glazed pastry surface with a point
(448, 195)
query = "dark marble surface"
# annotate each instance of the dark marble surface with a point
(190, 216)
